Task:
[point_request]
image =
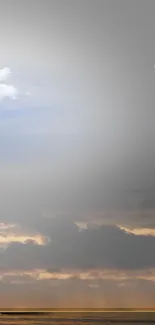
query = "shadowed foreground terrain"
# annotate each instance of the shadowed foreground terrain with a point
(64, 317)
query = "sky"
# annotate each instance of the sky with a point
(77, 157)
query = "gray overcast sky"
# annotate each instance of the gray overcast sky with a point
(77, 99)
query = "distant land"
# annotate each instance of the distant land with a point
(89, 315)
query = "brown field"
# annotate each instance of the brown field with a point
(78, 317)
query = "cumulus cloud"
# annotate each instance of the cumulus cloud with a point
(7, 91)
(4, 73)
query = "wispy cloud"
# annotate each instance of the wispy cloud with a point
(100, 274)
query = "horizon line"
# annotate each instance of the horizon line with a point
(44, 310)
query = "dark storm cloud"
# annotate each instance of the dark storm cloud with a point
(104, 247)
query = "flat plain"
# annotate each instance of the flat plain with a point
(78, 317)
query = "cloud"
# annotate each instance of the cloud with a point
(12, 233)
(5, 240)
(91, 275)
(98, 248)
(4, 73)
(139, 231)
(7, 91)
(26, 288)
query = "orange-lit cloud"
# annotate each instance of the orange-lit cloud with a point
(10, 233)
(107, 274)
(125, 218)
(139, 231)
